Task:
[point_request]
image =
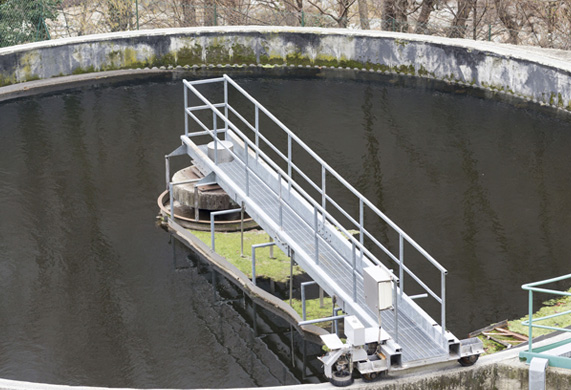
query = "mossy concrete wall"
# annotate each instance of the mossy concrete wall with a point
(508, 375)
(528, 73)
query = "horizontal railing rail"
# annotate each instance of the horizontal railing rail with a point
(282, 174)
(321, 208)
(531, 322)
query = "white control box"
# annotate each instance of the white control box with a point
(354, 330)
(378, 288)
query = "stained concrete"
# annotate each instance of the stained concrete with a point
(533, 74)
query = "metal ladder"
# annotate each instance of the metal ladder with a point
(303, 225)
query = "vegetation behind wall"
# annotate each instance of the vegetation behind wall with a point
(544, 23)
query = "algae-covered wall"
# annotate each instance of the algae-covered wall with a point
(512, 70)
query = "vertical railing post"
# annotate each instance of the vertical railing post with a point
(303, 312)
(185, 113)
(397, 298)
(253, 265)
(361, 223)
(247, 172)
(167, 171)
(226, 108)
(291, 260)
(280, 194)
(323, 191)
(316, 235)
(254, 248)
(212, 237)
(443, 309)
(214, 125)
(242, 230)
(257, 135)
(196, 204)
(354, 256)
(401, 265)
(289, 162)
(530, 309)
(171, 199)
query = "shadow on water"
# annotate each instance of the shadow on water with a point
(93, 294)
(90, 296)
(241, 337)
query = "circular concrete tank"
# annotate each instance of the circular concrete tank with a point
(498, 70)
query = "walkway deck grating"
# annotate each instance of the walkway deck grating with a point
(299, 224)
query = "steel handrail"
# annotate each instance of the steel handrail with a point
(532, 287)
(300, 190)
(325, 167)
(337, 176)
(331, 201)
(315, 204)
(282, 173)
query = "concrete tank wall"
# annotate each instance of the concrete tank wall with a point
(529, 73)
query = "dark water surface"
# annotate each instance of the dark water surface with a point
(89, 292)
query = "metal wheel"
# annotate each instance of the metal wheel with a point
(467, 361)
(342, 373)
(372, 376)
(341, 380)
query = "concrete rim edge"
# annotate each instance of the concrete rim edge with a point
(545, 57)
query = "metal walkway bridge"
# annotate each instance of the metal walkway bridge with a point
(299, 214)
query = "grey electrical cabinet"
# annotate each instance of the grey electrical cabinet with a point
(378, 288)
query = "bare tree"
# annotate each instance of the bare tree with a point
(548, 19)
(425, 11)
(234, 12)
(508, 20)
(363, 14)
(458, 28)
(119, 14)
(342, 15)
(294, 9)
(395, 15)
(188, 13)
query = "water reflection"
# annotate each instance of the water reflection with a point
(370, 180)
(481, 185)
(89, 296)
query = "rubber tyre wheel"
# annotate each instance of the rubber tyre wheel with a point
(341, 381)
(372, 376)
(467, 361)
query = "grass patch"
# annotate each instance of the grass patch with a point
(553, 306)
(550, 307)
(490, 346)
(228, 246)
(313, 309)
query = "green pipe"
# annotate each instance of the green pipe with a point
(530, 319)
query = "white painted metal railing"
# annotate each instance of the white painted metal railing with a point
(320, 207)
